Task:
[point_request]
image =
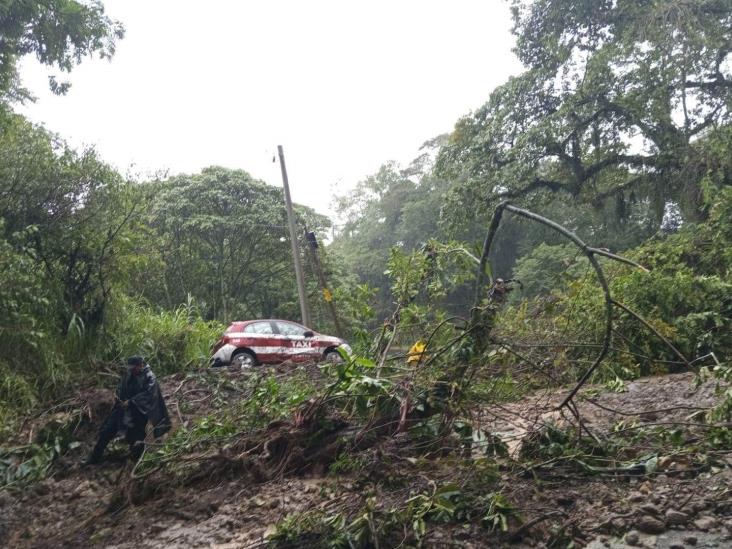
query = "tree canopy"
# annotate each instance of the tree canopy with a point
(617, 98)
(60, 33)
(222, 238)
(67, 211)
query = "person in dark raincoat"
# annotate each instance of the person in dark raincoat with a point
(138, 399)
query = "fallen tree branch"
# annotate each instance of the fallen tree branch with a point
(587, 250)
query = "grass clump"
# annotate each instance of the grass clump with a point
(172, 341)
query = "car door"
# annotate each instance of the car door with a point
(261, 337)
(298, 346)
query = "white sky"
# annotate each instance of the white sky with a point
(343, 86)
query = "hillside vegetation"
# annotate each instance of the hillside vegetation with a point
(562, 258)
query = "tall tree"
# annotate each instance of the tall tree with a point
(222, 236)
(615, 100)
(67, 211)
(60, 33)
(387, 209)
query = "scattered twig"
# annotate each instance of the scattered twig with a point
(518, 534)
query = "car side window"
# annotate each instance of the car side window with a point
(259, 328)
(288, 329)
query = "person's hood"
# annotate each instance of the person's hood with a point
(145, 368)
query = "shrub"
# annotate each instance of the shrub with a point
(172, 341)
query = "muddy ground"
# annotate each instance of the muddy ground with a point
(683, 501)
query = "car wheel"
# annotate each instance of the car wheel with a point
(333, 357)
(243, 360)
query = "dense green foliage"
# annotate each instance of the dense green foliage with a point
(60, 33)
(70, 208)
(221, 237)
(399, 209)
(95, 267)
(686, 297)
(63, 215)
(618, 129)
(613, 104)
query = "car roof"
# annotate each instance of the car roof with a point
(241, 324)
(245, 322)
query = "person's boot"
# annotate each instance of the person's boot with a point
(136, 450)
(91, 459)
(95, 458)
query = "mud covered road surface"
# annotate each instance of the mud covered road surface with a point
(683, 501)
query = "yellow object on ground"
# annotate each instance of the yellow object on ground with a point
(416, 353)
(327, 295)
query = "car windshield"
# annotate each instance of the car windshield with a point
(290, 329)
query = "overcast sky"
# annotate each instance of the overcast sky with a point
(343, 86)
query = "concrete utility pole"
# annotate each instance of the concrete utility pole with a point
(293, 241)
